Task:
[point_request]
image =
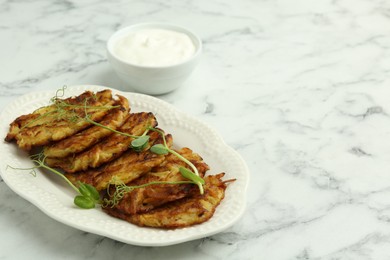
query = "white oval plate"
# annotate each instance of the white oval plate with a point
(50, 194)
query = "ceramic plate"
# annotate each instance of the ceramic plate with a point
(50, 194)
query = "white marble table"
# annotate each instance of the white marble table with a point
(299, 88)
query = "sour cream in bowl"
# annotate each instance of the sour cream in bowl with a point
(153, 58)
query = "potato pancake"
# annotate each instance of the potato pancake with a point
(180, 213)
(130, 166)
(43, 115)
(109, 148)
(90, 136)
(150, 197)
(61, 123)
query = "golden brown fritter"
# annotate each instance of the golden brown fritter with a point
(109, 148)
(32, 130)
(180, 213)
(147, 198)
(92, 135)
(42, 115)
(130, 166)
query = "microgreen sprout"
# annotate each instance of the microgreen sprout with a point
(59, 94)
(87, 196)
(140, 142)
(164, 149)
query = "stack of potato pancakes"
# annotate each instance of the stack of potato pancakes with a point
(97, 154)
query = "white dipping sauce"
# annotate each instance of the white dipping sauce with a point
(154, 47)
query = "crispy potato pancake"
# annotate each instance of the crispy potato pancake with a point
(130, 166)
(108, 149)
(57, 126)
(147, 198)
(180, 213)
(42, 115)
(90, 136)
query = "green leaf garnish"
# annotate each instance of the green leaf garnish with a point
(159, 149)
(140, 143)
(190, 175)
(88, 190)
(84, 202)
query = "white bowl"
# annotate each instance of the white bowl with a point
(154, 80)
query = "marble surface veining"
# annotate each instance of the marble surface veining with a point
(299, 88)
